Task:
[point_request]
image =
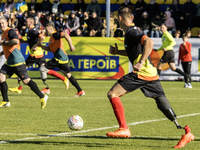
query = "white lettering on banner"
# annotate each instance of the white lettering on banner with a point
(100, 64)
(171, 75)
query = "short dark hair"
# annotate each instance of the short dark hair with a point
(187, 31)
(177, 32)
(163, 24)
(184, 35)
(125, 12)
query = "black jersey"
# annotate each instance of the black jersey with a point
(33, 37)
(134, 48)
(132, 43)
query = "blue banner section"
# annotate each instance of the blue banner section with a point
(84, 63)
(94, 63)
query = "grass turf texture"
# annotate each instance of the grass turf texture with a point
(25, 126)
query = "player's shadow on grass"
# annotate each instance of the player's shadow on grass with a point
(86, 144)
(91, 143)
(105, 137)
(132, 137)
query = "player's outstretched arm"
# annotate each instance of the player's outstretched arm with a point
(69, 40)
(114, 50)
(10, 42)
(46, 48)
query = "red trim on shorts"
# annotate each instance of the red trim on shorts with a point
(37, 56)
(147, 78)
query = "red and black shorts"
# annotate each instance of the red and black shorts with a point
(130, 82)
(168, 57)
(31, 60)
(20, 71)
(51, 64)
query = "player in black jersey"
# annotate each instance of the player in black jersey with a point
(34, 37)
(137, 48)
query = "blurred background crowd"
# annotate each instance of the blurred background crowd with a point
(89, 18)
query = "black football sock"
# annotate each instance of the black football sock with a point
(35, 88)
(4, 91)
(18, 81)
(181, 72)
(75, 83)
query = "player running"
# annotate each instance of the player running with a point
(37, 56)
(137, 48)
(168, 57)
(15, 64)
(60, 59)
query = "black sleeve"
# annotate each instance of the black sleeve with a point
(57, 35)
(136, 35)
(12, 34)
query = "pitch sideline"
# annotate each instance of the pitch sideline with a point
(84, 131)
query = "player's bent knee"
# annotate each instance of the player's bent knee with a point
(26, 81)
(111, 94)
(2, 77)
(43, 69)
(68, 75)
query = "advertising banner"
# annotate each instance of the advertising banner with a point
(90, 60)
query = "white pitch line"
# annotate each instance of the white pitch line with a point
(145, 137)
(89, 130)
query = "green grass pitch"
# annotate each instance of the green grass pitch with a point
(26, 126)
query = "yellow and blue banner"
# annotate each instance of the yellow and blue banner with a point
(90, 60)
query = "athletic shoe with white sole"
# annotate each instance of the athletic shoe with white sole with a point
(46, 91)
(16, 89)
(66, 82)
(186, 85)
(43, 101)
(189, 85)
(4, 104)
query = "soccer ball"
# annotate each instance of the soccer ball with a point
(75, 122)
